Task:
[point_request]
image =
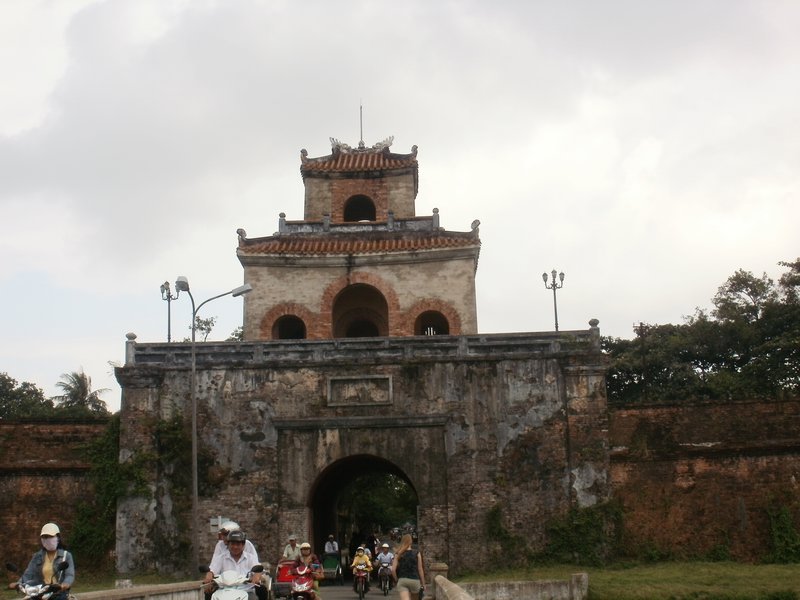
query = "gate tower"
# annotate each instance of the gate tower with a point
(361, 263)
(361, 353)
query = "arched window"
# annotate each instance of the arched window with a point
(360, 310)
(289, 327)
(431, 322)
(359, 208)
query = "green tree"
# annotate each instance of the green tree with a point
(78, 396)
(23, 400)
(747, 347)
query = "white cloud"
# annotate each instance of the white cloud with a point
(647, 150)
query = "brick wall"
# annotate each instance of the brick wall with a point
(43, 476)
(699, 478)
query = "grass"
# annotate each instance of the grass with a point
(674, 580)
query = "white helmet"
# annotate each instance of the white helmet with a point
(229, 526)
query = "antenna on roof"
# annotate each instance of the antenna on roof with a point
(361, 125)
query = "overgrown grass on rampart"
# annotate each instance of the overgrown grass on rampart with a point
(671, 580)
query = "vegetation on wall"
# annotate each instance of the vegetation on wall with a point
(747, 346)
(505, 550)
(93, 534)
(784, 538)
(585, 536)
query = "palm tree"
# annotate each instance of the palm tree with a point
(78, 393)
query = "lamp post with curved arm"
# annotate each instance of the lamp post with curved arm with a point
(555, 285)
(182, 285)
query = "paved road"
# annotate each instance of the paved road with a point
(334, 591)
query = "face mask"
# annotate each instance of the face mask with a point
(50, 543)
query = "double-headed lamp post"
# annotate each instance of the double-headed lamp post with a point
(166, 294)
(182, 285)
(555, 285)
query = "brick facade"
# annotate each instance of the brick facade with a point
(43, 477)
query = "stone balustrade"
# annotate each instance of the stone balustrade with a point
(576, 588)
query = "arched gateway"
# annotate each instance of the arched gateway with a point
(361, 351)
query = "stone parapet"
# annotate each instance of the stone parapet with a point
(361, 350)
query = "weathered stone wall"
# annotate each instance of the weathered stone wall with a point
(696, 479)
(473, 422)
(43, 477)
(692, 478)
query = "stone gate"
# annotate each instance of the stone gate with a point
(474, 423)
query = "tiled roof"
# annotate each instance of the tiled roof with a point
(345, 162)
(350, 244)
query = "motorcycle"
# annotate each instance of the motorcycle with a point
(232, 585)
(361, 581)
(385, 577)
(303, 584)
(41, 591)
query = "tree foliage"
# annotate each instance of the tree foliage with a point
(22, 400)
(78, 395)
(379, 500)
(748, 346)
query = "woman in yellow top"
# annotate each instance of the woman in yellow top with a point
(52, 564)
(361, 559)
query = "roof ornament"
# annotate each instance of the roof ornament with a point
(337, 147)
(384, 144)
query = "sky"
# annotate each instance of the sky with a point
(646, 149)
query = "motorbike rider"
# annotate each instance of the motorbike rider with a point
(222, 541)
(385, 556)
(233, 558)
(44, 565)
(310, 560)
(360, 559)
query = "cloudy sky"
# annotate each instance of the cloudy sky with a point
(647, 149)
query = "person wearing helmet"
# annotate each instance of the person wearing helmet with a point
(222, 541)
(310, 560)
(360, 559)
(384, 557)
(45, 565)
(235, 559)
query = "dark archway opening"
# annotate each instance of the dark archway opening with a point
(360, 310)
(359, 208)
(289, 327)
(358, 496)
(431, 323)
(362, 328)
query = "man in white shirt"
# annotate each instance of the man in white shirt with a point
(331, 546)
(385, 556)
(292, 550)
(233, 558)
(222, 541)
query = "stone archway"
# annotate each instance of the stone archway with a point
(328, 509)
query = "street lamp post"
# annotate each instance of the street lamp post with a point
(166, 294)
(555, 285)
(182, 285)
